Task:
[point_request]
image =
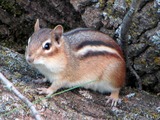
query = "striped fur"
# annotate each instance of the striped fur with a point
(96, 54)
(96, 48)
(75, 57)
(80, 38)
(94, 43)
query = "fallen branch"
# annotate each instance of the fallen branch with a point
(121, 33)
(122, 30)
(10, 86)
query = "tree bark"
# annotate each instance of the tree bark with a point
(75, 104)
(17, 18)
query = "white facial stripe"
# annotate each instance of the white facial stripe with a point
(47, 41)
(86, 49)
(29, 40)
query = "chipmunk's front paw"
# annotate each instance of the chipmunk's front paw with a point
(40, 81)
(45, 91)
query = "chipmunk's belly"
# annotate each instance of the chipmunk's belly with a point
(100, 86)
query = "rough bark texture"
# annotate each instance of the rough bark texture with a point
(78, 104)
(17, 18)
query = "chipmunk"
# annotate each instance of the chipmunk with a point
(75, 57)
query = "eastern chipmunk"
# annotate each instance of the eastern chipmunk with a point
(75, 57)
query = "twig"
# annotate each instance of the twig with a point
(10, 86)
(121, 32)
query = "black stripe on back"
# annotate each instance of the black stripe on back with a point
(98, 53)
(93, 43)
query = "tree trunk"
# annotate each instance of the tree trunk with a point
(17, 18)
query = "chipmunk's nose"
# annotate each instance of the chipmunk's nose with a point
(30, 59)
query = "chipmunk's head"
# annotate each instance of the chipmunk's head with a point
(44, 45)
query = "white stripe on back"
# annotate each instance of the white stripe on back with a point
(86, 49)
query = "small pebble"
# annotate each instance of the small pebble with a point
(130, 95)
(158, 109)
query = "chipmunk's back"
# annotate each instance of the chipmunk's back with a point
(82, 37)
(77, 57)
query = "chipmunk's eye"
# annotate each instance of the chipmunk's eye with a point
(47, 46)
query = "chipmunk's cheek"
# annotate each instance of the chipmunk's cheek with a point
(39, 61)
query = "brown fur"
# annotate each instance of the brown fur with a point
(76, 57)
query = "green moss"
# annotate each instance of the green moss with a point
(102, 3)
(11, 7)
(109, 8)
(112, 12)
(7, 61)
(157, 60)
(3, 53)
(128, 2)
(17, 75)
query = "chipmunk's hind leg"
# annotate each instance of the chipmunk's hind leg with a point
(113, 98)
(114, 76)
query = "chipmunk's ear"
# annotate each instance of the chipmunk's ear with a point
(36, 26)
(57, 34)
(58, 30)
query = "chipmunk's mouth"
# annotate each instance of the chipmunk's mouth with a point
(34, 61)
(30, 60)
